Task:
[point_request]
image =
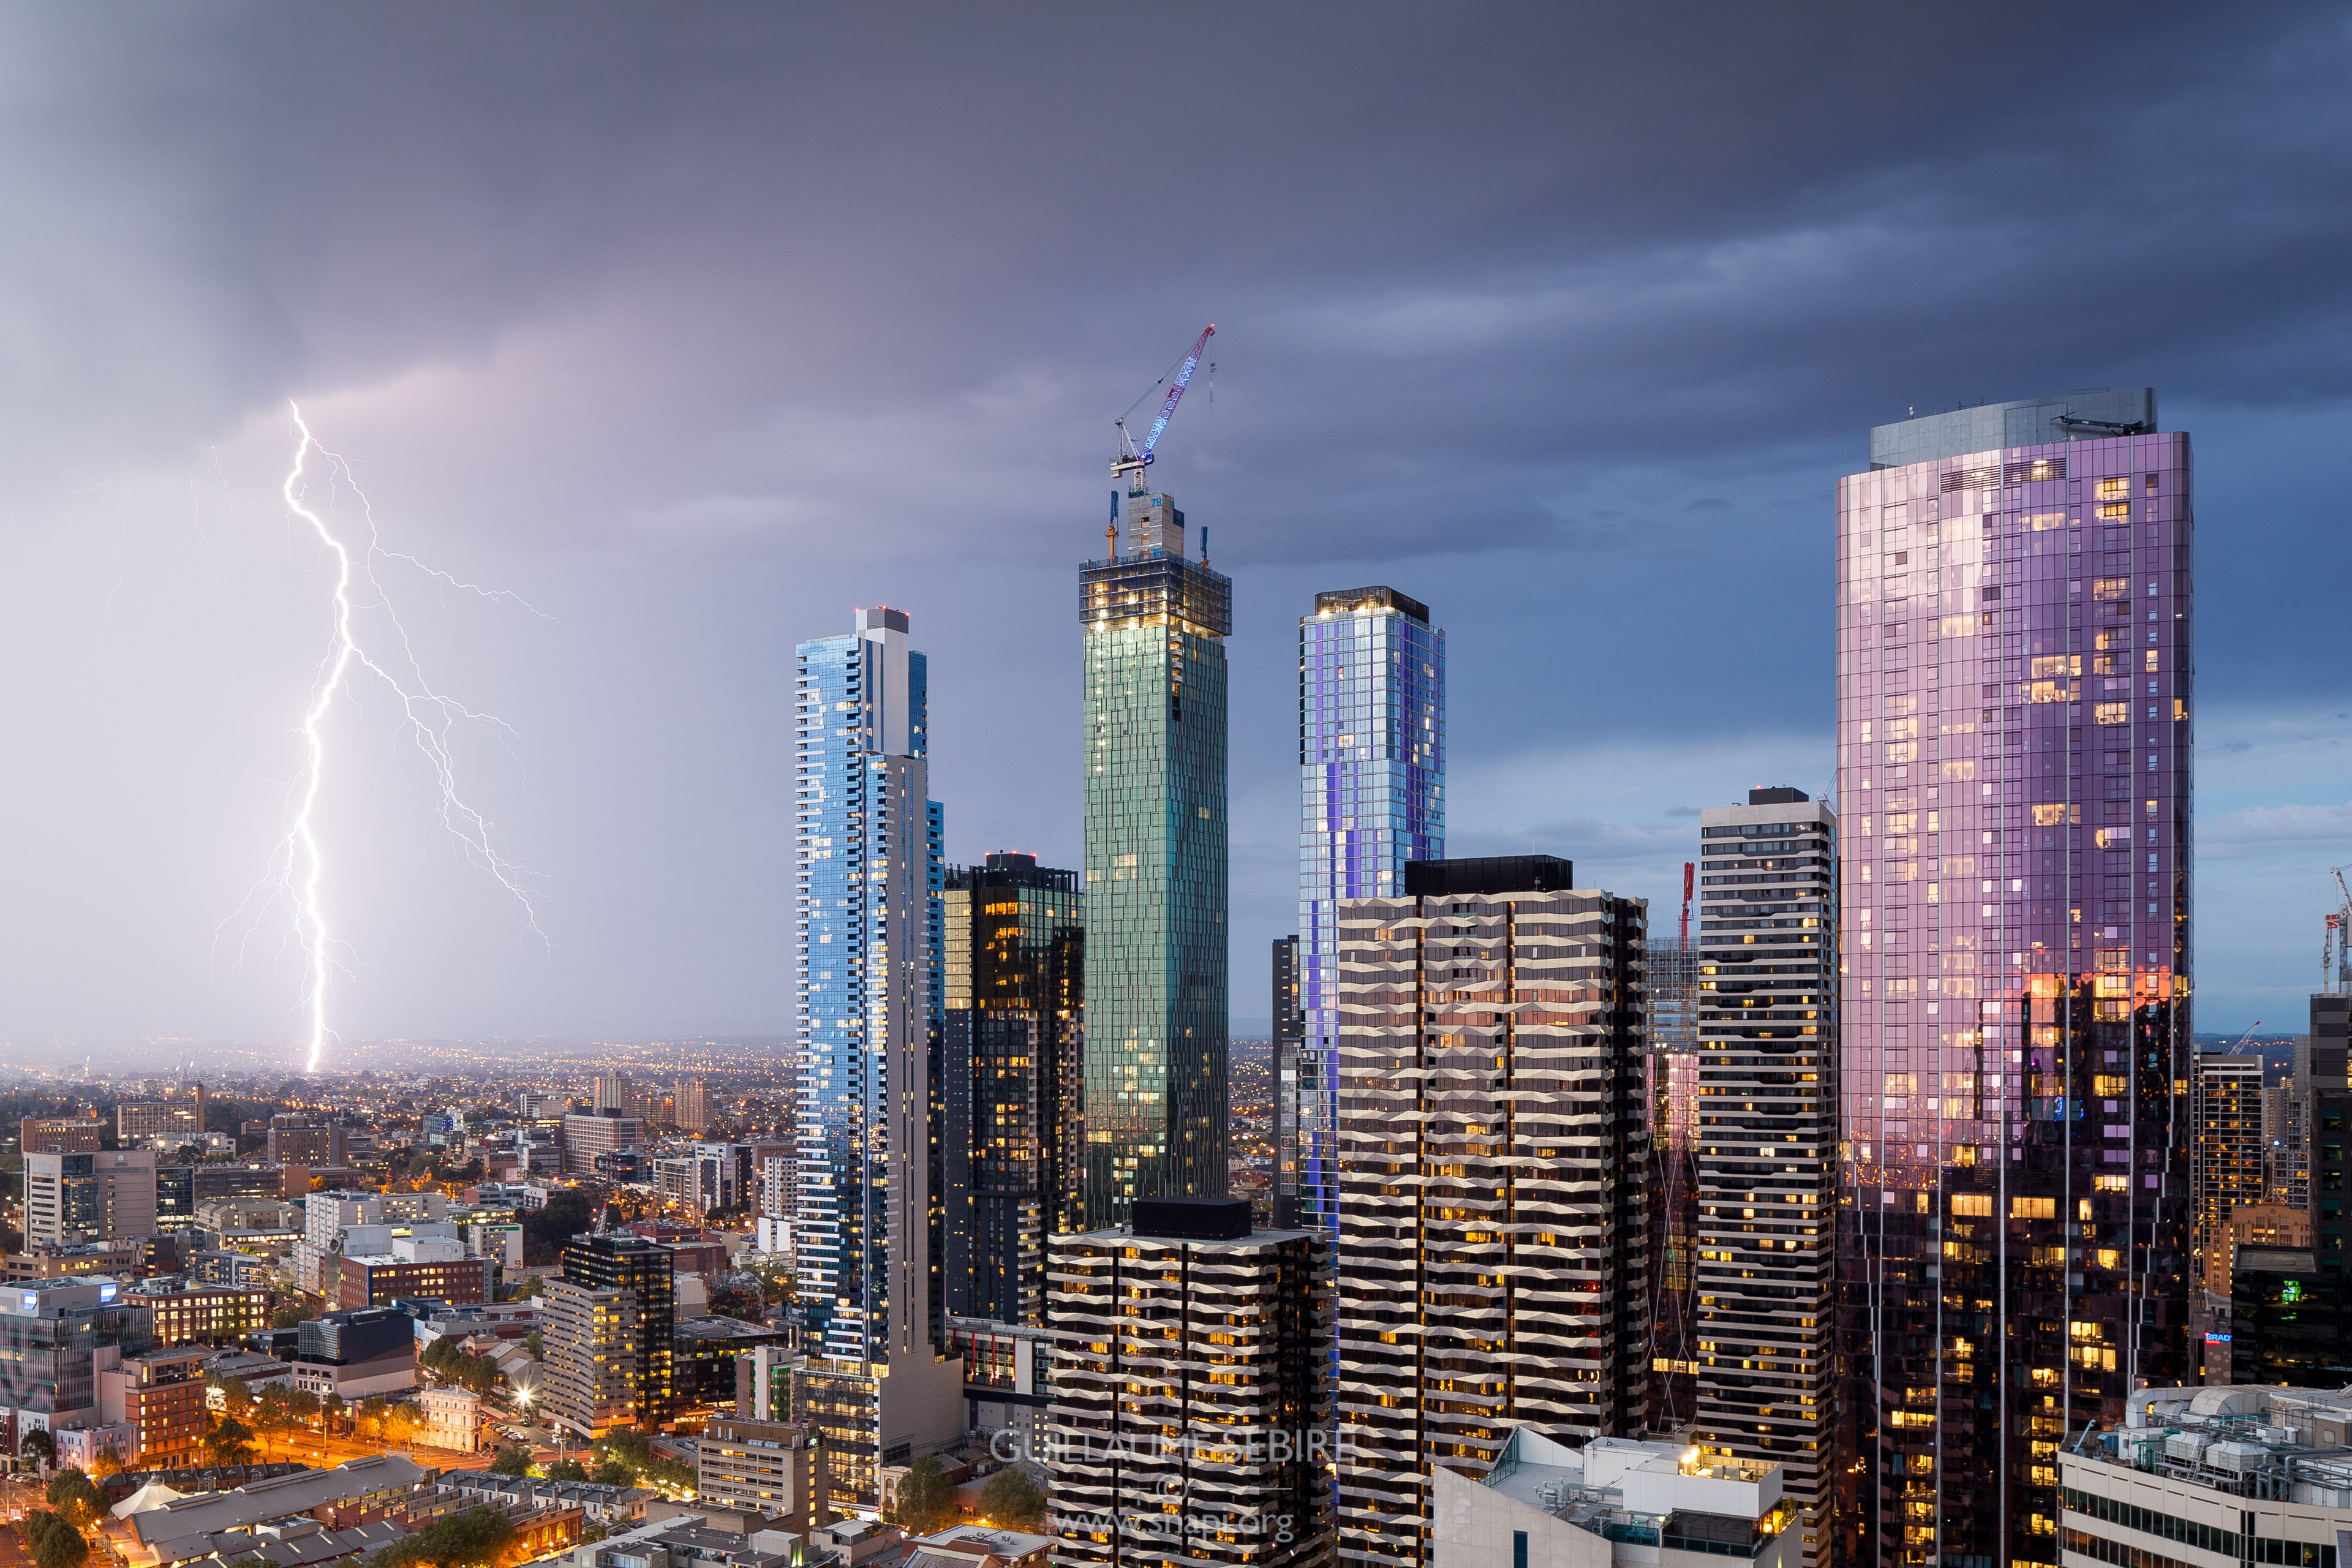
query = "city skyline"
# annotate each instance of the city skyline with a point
(1507, 357)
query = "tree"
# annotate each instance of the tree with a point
(289, 1316)
(614, 1471)
(1011, 1498)
(76, 1499)
(229, 1441)
(511, 1459)
(236, 1399)
(52, 1542)
(738, 1296)
(535, 1344)
(106, 1463)
(38, 1444)
(474, 1539)
(545, 1229)
(926, 1501)
(567, 1470)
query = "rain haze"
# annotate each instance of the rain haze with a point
(656, 340)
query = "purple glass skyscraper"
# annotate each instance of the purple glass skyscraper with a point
(1371, 798)
(2014, 691)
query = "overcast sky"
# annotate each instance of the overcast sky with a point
(689, 328)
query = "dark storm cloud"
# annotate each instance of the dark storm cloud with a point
(1565, 319)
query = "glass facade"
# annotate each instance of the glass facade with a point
(1156, 832)
(868, 862)
(1014, 968)
(2014, 707)
(1371, 796)
(869, 921)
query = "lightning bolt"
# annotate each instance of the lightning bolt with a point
(297, 866)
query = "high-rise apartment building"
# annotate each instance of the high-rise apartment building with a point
(1670, 998)
(610, 1349)
(99, 1196)
(2014, 686)
(1015, 986)
(1156, 1022)
(1763, 1141)
(1190, 1421)
(1371, 796)
(2326, 1103)
(693, 1101)
(2226, 1158)
(1494, 1238)
(867, 923)
(1289, 1029)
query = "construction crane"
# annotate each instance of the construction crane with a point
(2341, 923)
(1132, 459)
(1688, 869)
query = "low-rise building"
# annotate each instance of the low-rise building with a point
(374, 1279)
(249, 1223)
(607, 1506)
(159, 1396)
(761, 1465)
(63, 1261)
(979, 1546)
(59, 1134)
(2211, 1476)
(240, 1270)
(355, 1493)
(356, 1354)
(181, 1311)
(453, 1418)
(1613, 1501)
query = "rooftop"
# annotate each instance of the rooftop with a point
(2089, 415)
(2256, 1441)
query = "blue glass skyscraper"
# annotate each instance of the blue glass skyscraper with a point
(866, 920)
(1371, 796)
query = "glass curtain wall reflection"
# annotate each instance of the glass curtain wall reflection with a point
(2014, 702)
(1371, 798)
(1156, 1016)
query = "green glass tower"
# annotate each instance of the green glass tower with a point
(1155, 623)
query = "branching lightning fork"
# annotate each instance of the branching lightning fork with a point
(298, 865)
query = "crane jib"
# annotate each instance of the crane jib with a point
(1176, 392)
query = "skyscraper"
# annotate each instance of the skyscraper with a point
(2226, 1159)
(693, 1100)
(1155, 624)
(1763, 1141)
(1371, 796)
(867, 924)
(1493, 1239)
(1289, 1031)
(1015, 984)
(2015, 681)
